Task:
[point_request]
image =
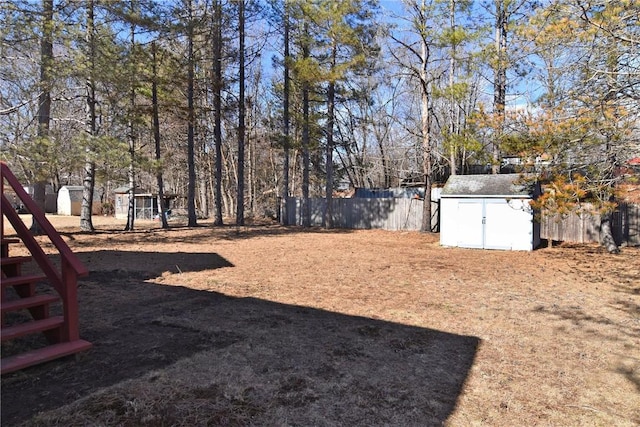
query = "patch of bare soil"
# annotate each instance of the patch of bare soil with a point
(269, 325)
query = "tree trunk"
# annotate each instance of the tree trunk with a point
(191, 188)
(500, 80)
(241, 118)
(156, 138)
(217, 107)
(88, 188)
(425, 122)
(286, 118)
(606, 233)
(86, 210)
(329, 154)
(306, 208)
(452, 101)
(44, 100)
(131, 211)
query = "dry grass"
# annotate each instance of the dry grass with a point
(265, 325)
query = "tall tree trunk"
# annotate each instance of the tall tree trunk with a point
(286, 118)
(86, 210)
(606, 233)
(253, 135)
(427, 166)
(606, 219)
(191, 188)
(131, 211)
(241, 118)
(217, 107)
(306, 207)
(452, 102)
(331, 96)
(425, 127)
(250, 162)
(44, 100)
(162, 208)
(500, 80)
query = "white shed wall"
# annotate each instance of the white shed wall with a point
(64, 201)
(70, 201)
(487, 223)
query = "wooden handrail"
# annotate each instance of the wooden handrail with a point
(65, 252)
(32, 245)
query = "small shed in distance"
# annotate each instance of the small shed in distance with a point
(70, 201)
(145, 202)
(489, 212)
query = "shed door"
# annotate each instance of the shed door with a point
(499, 217)
(470, 224)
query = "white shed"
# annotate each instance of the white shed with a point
(70, 201)
(488, 212)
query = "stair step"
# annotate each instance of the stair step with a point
(41, 355)
(32, 327)
(15, 260)
(22, 303)
(22, 280)
(4, 245)
(9, 240)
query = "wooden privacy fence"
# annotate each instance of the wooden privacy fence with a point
(585, 227)
(364, 213)
(406, 214)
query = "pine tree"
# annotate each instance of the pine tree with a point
(589, 124)
(86, 223)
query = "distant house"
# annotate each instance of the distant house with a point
(145, 202)
(70, 201)
(488, 212)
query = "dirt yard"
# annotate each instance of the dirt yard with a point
(271, 326)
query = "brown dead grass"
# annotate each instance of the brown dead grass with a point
(267, 325)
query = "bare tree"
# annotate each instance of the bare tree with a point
(418, 64)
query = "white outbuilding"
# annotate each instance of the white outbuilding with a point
(489, 212)
(70, 201)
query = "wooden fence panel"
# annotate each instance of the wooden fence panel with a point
(363, 213)
(626, 224)
(585, 228)
(406, 214)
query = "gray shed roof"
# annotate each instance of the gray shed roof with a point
(506, 185)
(125, 189)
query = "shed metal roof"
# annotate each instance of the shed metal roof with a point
(506, 185)
(138, 191)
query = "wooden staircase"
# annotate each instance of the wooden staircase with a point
(39, 309)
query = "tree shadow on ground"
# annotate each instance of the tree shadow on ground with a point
(200, 233)
(141, 263)
(303, 365)
(153, 263)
